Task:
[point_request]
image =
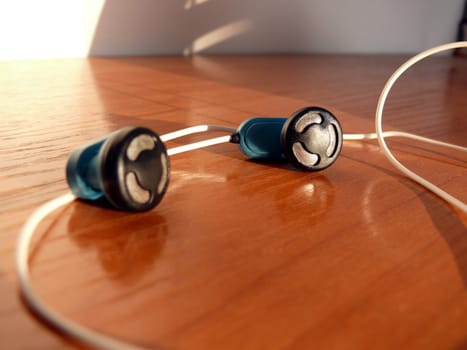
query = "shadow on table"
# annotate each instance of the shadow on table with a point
(449, 222)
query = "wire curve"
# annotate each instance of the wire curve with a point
(379, 121)
(83, 334)
(102, 341)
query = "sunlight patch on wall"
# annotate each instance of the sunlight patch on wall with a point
(191, 3)
(218, 36)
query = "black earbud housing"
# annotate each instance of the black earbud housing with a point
(312, 138)
(129, 167)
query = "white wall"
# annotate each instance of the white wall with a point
(47, 28)
(71, 28)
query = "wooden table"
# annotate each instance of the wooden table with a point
(240, 254)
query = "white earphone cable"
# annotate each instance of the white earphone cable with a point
(195, 129)
(101, 341)
(83, 334)
(198, 145)
(379, 124)
(374, 136)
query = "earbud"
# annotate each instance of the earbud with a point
(311, 139)
(129, 167)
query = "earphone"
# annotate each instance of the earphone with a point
(131, 169)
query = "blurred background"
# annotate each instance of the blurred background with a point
(32, 29)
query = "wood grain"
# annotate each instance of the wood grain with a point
(240, 255)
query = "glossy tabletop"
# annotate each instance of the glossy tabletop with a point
(240, 254)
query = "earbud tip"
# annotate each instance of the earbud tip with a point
(312, 139)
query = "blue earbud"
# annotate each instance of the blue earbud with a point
(259, 138)
(311, 139)
(129, 167)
